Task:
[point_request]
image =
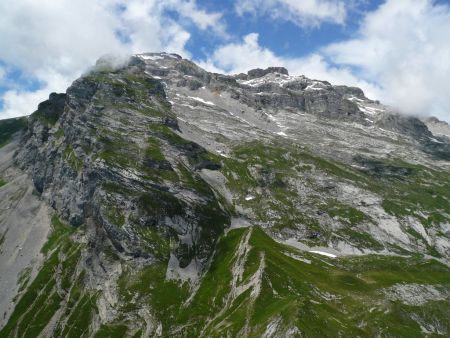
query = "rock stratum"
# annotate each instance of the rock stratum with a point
(156, 199)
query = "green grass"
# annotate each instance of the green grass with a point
(153, 150)
(33, 301)
(115, 216)
(111, 331)
(56, 280)
(406, 190)
(325, 297)
(154, 241)
(58, 233)
(78, 321)
(360, 238)
(290, 291)
(346, 213)
(71, 158)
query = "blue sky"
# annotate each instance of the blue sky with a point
(395, 50)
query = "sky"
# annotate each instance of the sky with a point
(397, 51)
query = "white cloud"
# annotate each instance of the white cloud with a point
(204, 20)
(404, 46)
(54, 41)
(302, 13)
(248, 54)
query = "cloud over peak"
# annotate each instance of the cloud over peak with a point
(53, 41)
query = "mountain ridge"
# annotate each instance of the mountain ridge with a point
(192, 197)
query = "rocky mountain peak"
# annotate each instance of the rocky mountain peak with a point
(438, 127)
(258, 72)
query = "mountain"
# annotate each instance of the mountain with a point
(437, 126)
(156, 199)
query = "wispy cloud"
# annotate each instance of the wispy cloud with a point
(302, 13)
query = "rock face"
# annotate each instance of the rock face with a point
(109, 150)
(185, 203)
(53, 108)
(438, 127)
(258, 72)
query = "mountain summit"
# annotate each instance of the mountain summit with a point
(154, 198)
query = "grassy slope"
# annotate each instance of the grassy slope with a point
(56, 283)
(423, 193)
(326, 297)
(298, 291)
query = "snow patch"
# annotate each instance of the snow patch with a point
(314, 87)
(323, 253)
(297, 257)
(201, 100)
(150, 57)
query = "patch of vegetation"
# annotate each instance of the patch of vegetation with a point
(58, 233)
(10, 127)
(111, 331)
(115, 216)
(360, 238)
(155, 242)
(57, 280)
(161, 204)
(425, 195)
(37, 305)
(153, 150)
(168, 134)
(24, 278)
(59, 133)
(318, 298)
(78, 321)
(74, 162)
(345, 213)
(117, 151)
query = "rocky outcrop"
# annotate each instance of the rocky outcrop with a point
(109, 149)
(407, 125)
(438, 127)
(258, 72)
